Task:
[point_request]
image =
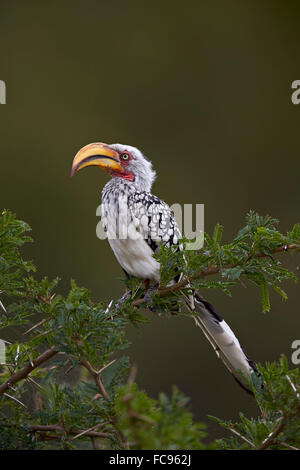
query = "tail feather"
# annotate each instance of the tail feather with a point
(222, 338)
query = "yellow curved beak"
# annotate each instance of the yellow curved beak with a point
(97, 154)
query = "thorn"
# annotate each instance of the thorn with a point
(109, 305)
(3, 308)
(18, 354)
(107, 365)
(93, 428)
(15, 399)
(69, 369)
(29, 358)
(34, 382)
(35, 326)
(46, 332)
(293, 387)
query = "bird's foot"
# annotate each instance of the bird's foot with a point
(123, 299)
(148, 296)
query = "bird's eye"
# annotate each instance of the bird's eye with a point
(125, 156)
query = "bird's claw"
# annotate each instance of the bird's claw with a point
(123, 299)
(148, 296)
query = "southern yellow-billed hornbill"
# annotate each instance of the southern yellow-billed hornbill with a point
(136, 221)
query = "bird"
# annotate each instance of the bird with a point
(137, 223)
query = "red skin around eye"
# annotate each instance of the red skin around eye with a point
(125, 162)
(126, 175)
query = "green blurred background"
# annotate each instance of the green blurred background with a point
(204, 90)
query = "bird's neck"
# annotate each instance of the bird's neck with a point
(118, 187)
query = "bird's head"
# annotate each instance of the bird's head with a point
(120, 161)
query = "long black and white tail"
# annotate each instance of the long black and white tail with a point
(222, 338)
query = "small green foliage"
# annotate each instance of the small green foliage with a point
(83, 397)
(279, 404)
(157, 424)
(249, 257)
(13, 235)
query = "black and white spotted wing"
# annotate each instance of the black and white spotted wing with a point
(154, 218)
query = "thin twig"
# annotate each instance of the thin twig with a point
(96, 375)
(271, 439)
(94, 445)
(132, 374)
(288, 446)
(61, 429)
(136, 415)
(23, 373)
(272, 436)
(241, 437)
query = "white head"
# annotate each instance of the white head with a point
(120, 161)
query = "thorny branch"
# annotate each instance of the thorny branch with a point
(23, 373)
(75, 432)
(271, 439)
(162, 292)
(96, 375)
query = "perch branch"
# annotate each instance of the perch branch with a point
(61, 429)
(23, 373)
(212, 270)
